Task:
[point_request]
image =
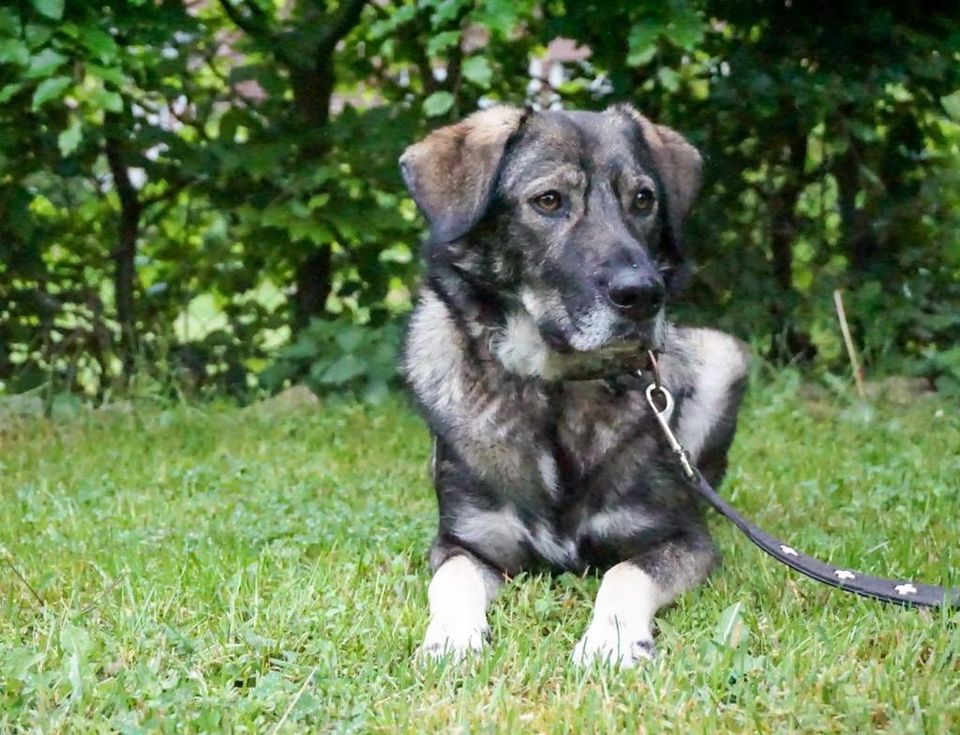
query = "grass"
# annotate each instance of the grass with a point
(217, 569)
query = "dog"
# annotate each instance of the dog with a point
(554, 239)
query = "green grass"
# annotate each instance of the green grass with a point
(216, 569)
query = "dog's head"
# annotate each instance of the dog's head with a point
(572, 217)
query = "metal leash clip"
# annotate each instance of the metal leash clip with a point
(662, 415)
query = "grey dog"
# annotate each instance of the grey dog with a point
(554, 236)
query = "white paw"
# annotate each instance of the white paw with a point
(453, 638)
(610, 641)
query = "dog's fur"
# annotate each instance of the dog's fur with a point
(536, 470)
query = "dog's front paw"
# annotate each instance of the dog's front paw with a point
(453, 639)
(610, 641)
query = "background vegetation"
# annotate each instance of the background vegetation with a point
(203, 195)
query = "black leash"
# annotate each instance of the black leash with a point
(901, 592)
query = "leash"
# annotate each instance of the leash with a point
(898, 591)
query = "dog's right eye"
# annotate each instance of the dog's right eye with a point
(548, 203)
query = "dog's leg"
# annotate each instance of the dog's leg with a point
(460, 591)
(631, 593)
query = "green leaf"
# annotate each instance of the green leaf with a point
(76, 645)
(71, 30)
(385, 27)
(951, 103)
(477, 69)
(318, 201)
(642, 44)
(343, 370)
(37, 34)
(70, 138)
(274, 376)
(438, 103)
(685, 31)
(350, 338)
(729, 630)
(22, 660)
(110, 101)
(107, 73)
(501, 16)
(442, 41)
(303, 349)
(899, 93)
(50, 89)
(7, 92)
(309, 229)
(53, 9)
(45, 63)
(376, 392)
(14, 51)
(444, 11)
(100, 43)
(669, 78)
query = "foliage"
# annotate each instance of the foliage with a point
(332, 355)
(211, 569)
(186, 187)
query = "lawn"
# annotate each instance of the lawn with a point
(209, 569)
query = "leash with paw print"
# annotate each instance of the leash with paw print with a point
(899, 591)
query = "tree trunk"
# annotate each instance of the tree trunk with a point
(124, 255)
(858, 239)
(313, 284)
(312, 78)
(313, 89)
(787, 343)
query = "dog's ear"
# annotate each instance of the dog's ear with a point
(452, 173)
(679, 167)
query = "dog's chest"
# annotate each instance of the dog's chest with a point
(564, 481)
(542, 446)
(594, 422)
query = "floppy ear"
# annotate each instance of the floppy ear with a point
(452, 173)
(679, 167)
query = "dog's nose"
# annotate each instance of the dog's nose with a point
(635, 293)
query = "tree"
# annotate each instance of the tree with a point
(77, 98)
(204, 194)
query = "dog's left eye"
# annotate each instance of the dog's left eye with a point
(644, 200)
(549, 202)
